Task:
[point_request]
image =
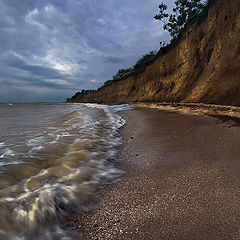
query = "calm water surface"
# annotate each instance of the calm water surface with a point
(53, 157)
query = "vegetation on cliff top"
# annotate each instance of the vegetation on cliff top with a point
(80, 95)
(184, 15)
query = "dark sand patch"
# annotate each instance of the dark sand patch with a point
(182, 181)
(224, 119)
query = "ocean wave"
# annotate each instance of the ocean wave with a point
(35, 141)
(7, 152)
(10, 163)
(65, 165)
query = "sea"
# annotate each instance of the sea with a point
(54, 157)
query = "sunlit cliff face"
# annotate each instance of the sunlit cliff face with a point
(202, 67)
(50, 49)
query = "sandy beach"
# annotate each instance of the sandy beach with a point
(181, 181)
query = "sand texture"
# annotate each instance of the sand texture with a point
(181, 181)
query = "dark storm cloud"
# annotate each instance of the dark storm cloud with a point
(34, 70)
(49, 49)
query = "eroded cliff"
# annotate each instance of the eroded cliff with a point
(203, 67)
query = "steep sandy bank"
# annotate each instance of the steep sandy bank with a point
(203, 67)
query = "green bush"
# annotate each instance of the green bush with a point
(107, 83)
(139, 67)
(144, 61)
(122, 73)
(79, 95)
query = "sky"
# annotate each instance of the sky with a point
(50, 49)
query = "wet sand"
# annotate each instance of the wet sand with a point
(181, 181)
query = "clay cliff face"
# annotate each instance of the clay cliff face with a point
(202, 67)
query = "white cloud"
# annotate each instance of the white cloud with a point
(31, 19)
(49, 9)
(59, 64)
(95, 81)
(15, 54)
(57, 81)
(101, 21)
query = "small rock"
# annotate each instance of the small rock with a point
(131, 137)
(95, 225)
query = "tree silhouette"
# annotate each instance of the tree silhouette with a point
(185, 13)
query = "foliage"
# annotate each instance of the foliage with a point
(107, 83)
(185, 13)
(80, 95)
(140, 65)
(144, 61)
(122, 73)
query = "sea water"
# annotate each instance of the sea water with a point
(53, 157)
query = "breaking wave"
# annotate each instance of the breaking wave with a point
(58, 167)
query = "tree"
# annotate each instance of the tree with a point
(185, 13)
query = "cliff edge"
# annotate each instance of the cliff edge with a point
(204, 66)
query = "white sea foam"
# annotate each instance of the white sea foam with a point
(35, 141)
(122, 107)
(7, 152)
(38, 148)
(10, 163)
(75, 151)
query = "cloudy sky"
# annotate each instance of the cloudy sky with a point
(49, 49)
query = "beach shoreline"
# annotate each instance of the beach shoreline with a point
(181, 181)
(222, 112)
